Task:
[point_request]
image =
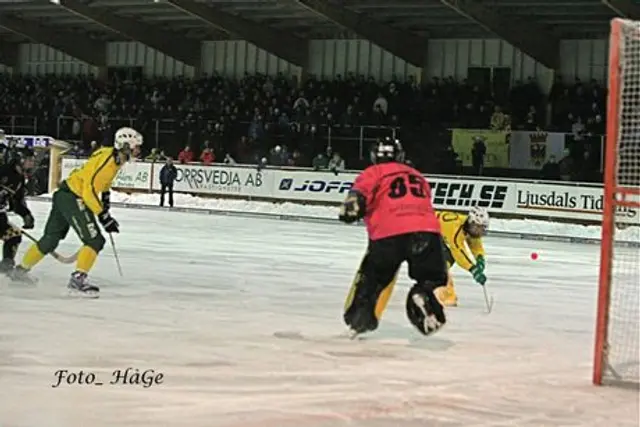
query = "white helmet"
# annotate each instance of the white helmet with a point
(479, 216)
(127, 138)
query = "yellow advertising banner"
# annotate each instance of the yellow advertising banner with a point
(497, 143)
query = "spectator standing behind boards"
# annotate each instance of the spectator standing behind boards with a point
(93, 147)
(499, 120)
(296, 159)
(566, 166)
(156, 155)
(380, 105)
(278, 156)
(186, 155)
(551, 169)
(478, 153)
(76, 151)
(207, 157)
(336, 164)
(319, 162)
(168, 175)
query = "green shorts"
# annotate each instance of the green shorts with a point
(69, 211)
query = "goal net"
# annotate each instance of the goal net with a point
(617, 348)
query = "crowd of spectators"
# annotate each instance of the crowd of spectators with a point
(271, 120)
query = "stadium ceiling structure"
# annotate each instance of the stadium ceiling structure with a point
(81, 28)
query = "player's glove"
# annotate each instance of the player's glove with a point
(477, 271)
(108, 222)
(481, 262)
(352, 208)
(106, 200)
(29, 222)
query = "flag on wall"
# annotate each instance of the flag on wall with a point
(532, 149)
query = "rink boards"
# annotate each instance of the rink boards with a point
(523, 235)
(517, 198)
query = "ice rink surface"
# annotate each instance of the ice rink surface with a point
(214, 303)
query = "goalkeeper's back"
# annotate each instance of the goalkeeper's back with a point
(397, 200)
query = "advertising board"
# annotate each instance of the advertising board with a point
(512, 197)
(134, 175)
(219, 179)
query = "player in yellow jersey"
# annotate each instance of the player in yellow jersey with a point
(463, 238)
(82, 197)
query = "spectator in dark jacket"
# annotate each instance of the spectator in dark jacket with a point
(478, 153)
(168, 175)
(551, 169)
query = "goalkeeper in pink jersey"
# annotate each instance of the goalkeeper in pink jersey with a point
(395, 201)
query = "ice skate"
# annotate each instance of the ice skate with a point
(360, 322)
(20, 274)
(79, 285)
(6, 266)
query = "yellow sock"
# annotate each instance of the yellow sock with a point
(32, 257)
(86, 258)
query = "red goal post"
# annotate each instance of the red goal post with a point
(617, 341)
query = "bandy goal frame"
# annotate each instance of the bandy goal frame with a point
(616, 355)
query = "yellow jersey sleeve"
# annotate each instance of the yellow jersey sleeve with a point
(452, 225)
(475, 246)
(94, 177)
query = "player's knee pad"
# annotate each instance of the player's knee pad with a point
(96, 243)
(10, 247)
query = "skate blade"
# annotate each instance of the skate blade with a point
(86, 294)
(351, 334)
(25, 281)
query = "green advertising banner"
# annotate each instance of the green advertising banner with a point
(497, 143)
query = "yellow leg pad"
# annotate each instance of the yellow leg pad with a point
(32, 257)
(383, 298)
(86, 258)
(450, 287)
(447, 294)
(352, 291)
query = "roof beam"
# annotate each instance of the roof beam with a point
(533, 39)
(174, 45)
(624, 8)
(79, 46)
(9, 54)
(284, 45)
(410, 47)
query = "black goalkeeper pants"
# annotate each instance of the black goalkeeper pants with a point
(374, 281)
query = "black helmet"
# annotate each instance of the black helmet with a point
(16, 155)
(388, 150)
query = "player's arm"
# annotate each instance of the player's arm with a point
(459, 247)
(101, 172)
(19, 202)
(354, 206)
(476, 247)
